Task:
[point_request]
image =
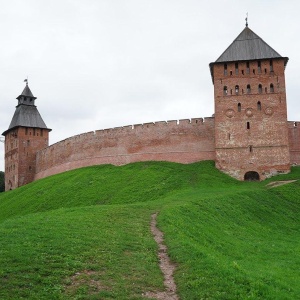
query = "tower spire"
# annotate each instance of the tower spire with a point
(246, 19)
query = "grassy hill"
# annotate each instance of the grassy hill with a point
(85, 234)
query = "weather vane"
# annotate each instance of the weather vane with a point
(26, 80)
(246, 19)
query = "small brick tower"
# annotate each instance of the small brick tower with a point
(27, 133)
(251, 134)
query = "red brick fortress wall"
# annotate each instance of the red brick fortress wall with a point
(294, 142)
(183, 141)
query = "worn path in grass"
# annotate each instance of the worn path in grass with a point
(278, 183)
(165, 264)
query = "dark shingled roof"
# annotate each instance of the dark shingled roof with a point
(26, 115)
(247, 46)
(27, 92)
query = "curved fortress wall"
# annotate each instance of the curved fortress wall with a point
(183, 141)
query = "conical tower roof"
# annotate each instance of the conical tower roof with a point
(26, 113)
(27, 92)
(246, 47)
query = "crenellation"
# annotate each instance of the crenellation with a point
(172, 122)
(121, 145)
(197, 121)
(161, 123)
(184, 122)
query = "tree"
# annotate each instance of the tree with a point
(2, 183)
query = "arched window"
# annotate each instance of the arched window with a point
(251, 176)
(258, 105)
(239, 107)
(271, 88)
(225, 69)
(271, 65)
(237, 89)
(260, 88)
(225, 91)
(236, 68)
(248, 125)
(248, 89)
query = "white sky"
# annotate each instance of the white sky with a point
(95, 64)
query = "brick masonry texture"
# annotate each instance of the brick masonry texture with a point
(251, 129)
(183, 141)
(21, 145)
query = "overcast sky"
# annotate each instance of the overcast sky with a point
(95, 64)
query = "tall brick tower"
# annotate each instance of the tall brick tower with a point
(26, 134)
(251, 134)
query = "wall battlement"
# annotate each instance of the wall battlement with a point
(183, 141)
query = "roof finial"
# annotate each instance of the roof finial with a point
(26, 80)
(246, 19)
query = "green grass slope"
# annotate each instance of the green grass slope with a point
(85, 234)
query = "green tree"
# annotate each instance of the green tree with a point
(2, 183)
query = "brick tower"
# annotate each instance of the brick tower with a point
(26, 134)
(251, 134)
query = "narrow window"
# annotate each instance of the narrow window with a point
(225, 69)
(271, 88)
(253, 71)
(29, 168)
(248, 125)
(236, 68)
(242, 72)
(248, 89)
(260, 88)
(236, 89)
(258, 105)
(230, 73)
(229, 136)
(265, 71)
(230, 91)
(250, 148)
(271, 65)
(225, 91)
(239, 107)
(259, 67)
(247, 67)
